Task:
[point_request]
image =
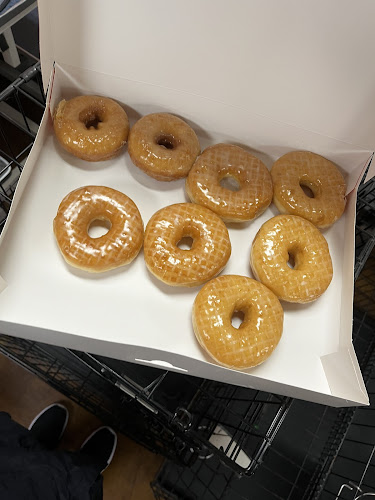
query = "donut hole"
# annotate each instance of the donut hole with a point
(291, 261)
(238, 317)
(185, 243)
(91, 118)
(231, 183)
(307, 189)
(166, 141)
(99, 227)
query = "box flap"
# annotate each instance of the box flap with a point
(307, 64)
(344, 375)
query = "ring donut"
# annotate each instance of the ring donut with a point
(252, 193)
(289, 238)
(257, 336)
(163, 146)
(92, 128)
(298, 170)
(209, 252)
(79, 209)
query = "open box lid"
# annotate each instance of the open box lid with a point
(308, 64)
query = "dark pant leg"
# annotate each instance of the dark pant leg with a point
(29, 472)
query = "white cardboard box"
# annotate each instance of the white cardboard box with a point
(271, 76)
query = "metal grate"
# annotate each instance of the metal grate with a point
(303, 457)
(199, 418)
(21, 109)
(336, 468)
(350, 474)
(307, 456)
(284, 474)
(365, 289)
(365, 227)
(182, 417)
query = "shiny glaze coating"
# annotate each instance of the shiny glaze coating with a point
(92, 128)
(257, 336)
(116, 248)
(289, 235)
(163, 146)
(207, 256)
(317, 173)
(225, 160)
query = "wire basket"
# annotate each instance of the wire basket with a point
(21, 108)
(346, 466)
(365, 227)
(182, 417)
(305, 461)
(349, 474)
(365, 289)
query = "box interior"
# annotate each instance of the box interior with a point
(126, 313)
(269, 76)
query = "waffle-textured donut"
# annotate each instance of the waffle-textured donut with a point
(227, 161)
(286, 237)
(257, 336)
(321, 176)
(207, 256)
(163, 146)
(90, 127)
(116, 248)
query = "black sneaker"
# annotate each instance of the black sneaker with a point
(49, 425)
(101, 446)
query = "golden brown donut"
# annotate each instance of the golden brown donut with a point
(227, 161)
(288, 238)
(79, 209)
(163, 146)
(209, 252)
(90, 127)
(321, 176)
(257, 336)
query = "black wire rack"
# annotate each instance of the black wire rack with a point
(211, 433)
(347, 465)
(182, 417)
(365, 227)
(317, 451)
(352, 475)
(22, 104)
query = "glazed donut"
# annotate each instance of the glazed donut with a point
(209, 252)
(90, 127)
(289, 238)
(257, 336)
(299, 169)
(163, 146)
(79, 209)
(254, 193)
